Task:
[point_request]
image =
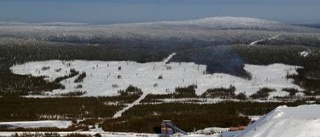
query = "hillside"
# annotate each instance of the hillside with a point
(227, 23)
(301, 121)
(107, 78)
(129, 77)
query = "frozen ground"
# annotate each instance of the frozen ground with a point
(110, 134)
(105, 78)
(301, 121)
(37, 124)
(257, 41)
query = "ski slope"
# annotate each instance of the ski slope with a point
(37, 124)
(261, 40)
(119, 113)
(104, 78)
(301, 121)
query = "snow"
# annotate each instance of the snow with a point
(166, 60)
(119, 113)
(232, 22)
(103, 75)
(212, 130)
(304, 53)
(224, 22)
(90, 133)
(257, 41)
(108, 134)
(254, 117)
(218, 29)
(301, 121)
(38, 124)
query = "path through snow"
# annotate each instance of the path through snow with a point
(119, 113)
(166, 60)
(271, 38)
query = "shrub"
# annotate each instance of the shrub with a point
(131, 90)
(263, 93)
(80, 77)
(241, 96)
(185, 91)
(225, 93)
(292, 91)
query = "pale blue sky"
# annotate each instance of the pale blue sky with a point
(113, 11)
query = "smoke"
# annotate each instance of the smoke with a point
(219, 59)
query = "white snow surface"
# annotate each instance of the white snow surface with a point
(208, 29)
(103, 75)
(301, 121)
(109, 134)
(257, 41)
(304, 53)
(119, 113)
(224, 22)
(38, 124)
(212, 130)
(232, 23)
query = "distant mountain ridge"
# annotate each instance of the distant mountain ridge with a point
(13, 23)
(225, 23)
(216, 23)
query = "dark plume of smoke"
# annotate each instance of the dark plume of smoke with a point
(219, 59)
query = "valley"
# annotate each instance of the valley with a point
(124, 79)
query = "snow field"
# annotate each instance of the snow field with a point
(105, 78)
(38, 124)
(257, 41)
(301, 121)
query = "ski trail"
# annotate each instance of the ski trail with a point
(271, 38)
(119, 113)
(166, 60)
(274, 37)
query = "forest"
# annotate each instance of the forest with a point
(228, 59)
(65, 108)
(188, 116)
(223, 55)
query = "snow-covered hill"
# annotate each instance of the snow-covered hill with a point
(103, 75)
(240, 29)
(301, 121)
(37, 124)
(224, 23)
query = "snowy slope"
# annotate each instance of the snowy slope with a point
(301, 121)
(37, 124)
(102, 75)
(227, 23)
(224, 23)
(215, 29)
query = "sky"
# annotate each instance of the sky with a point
(123, 11)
